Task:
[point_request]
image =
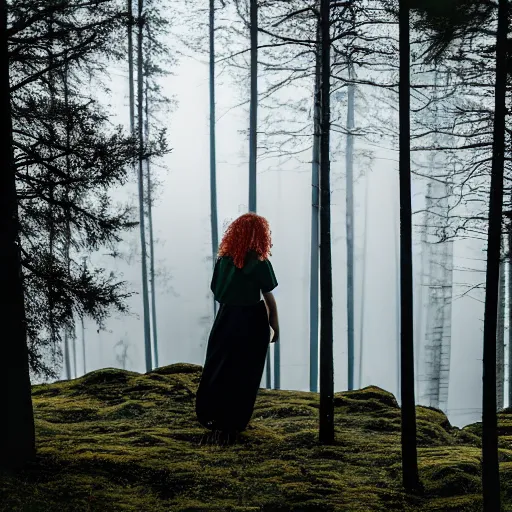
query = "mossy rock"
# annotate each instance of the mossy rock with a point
(432, 434)
(373, 393)
(75, 415)
(466, 503)
(475, 429)
(504, 425)
(452, 480)
(178, 368)
(45, 390)
(125, 410)
(105, 376)
(433, 415)
(464, 436)
(366, 400)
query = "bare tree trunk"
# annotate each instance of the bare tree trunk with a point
(490, 465)
(363, 282)
(83, 344)
(326, 327)
(68, 329)
(500, 341)
(83, 327)
(268, 371)
(150, 229)
(130, 67)
(67, 355)
(397, 306)
(253, 121)
(253, 136)
(17, 442)
(509, 286)
(140, 103)
(213, 158)
(349, 163)
(409, 452)
(315, 203)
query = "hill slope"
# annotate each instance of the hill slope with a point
(115, 440)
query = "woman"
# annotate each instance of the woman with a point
(240, 335)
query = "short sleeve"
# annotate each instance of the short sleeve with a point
(266, 276)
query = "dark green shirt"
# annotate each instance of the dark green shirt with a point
(242, 286)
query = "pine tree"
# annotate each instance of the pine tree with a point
(64, 181)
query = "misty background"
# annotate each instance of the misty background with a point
(181, 216)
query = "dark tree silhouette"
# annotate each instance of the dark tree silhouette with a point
(490, 465)
(326, 323)
(410, 475)
(17, 442)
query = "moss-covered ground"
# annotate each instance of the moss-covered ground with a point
(115, 440)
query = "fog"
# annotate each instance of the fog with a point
(182, 229)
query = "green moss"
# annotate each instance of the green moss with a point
(380, 424)
(432, 434)
(120, 441)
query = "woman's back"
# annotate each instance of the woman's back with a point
(242, 286)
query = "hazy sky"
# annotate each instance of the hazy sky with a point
(182, 227)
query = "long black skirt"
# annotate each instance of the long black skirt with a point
(234, 364)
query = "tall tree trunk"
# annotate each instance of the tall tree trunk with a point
(326, 325)
(69, 329)
(140, 124)
(67, 354)
(17, 442)
(315, 203)
(277, 365)
(130, 67)
(213, 159)
(409, 452)
(253, 120)
(150, 228)
(83, 344)
(83, 327)
(397, 304)
(363, 282)
(500, 341)
(277, 346)
(509, 286)
(490, 465)
(349, 218)
(419, 302)
(253, 135)
(268, 371)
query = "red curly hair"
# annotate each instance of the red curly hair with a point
(250, 232)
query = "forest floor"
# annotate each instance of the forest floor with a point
(115, 440)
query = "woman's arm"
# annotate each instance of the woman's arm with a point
(273, 319)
